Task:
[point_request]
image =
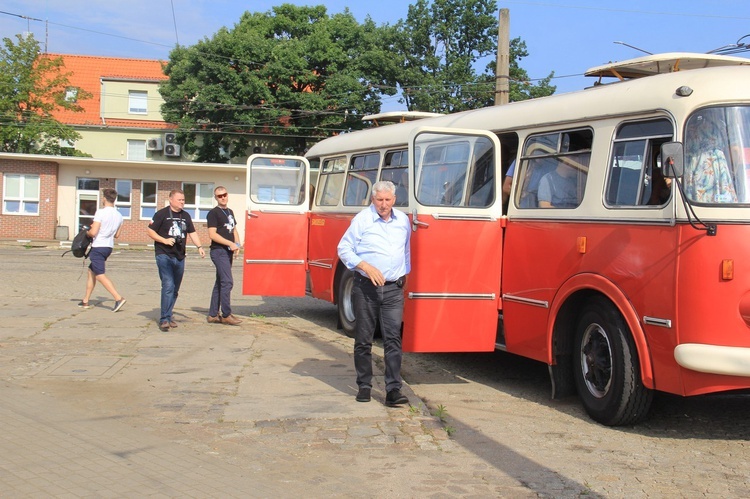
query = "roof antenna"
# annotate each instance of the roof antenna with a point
(635, 48)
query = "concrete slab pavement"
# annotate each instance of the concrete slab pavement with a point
(98, 404)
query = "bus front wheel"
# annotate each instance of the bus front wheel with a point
(607, 371)
(345, 303)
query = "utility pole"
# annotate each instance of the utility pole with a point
(502, 70)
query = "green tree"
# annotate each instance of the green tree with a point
(439, 58)
(32, 88)
(294, 72)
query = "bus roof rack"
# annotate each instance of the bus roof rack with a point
(655, 64)
(398, 116)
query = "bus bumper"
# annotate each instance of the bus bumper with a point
(714, 359)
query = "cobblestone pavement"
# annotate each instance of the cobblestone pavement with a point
(98, 404)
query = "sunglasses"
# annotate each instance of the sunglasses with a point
(222, 195)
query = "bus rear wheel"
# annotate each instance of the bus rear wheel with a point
(606, 367)
(345, 304)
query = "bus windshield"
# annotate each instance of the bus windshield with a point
(717, 156)
(277, 181)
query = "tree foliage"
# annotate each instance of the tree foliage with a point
(440, 58)
(294, 72)
(32, 87)
(280, 78)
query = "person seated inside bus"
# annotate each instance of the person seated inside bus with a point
(536, 169)
(508, 181)
(661, 190)
(559, 188)
(402, 190)
(707, 177)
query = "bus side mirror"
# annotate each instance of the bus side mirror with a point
(672, 159)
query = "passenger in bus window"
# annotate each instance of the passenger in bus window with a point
(376, 248)
(707, 176)
(559, 188)
(402, 190)
(536, 169)
(508, 181)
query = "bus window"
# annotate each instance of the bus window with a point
(443, 173)
(459, 173)
(395, 170)
(331, 181)
(738, 126)
(482, 179)
(634, 177)
(716, 166)
(277, 181)
(363, 171)
(554, 169)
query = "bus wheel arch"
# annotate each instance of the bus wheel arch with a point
(563, 336)
(344, 302)
(606, 366)
(567, 305)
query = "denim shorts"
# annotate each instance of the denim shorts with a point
(97, 257)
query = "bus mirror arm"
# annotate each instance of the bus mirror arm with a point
(673, 167)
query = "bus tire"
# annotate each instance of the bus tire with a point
(606, 367)
(345, 304)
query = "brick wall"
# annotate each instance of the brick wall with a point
(43, 225)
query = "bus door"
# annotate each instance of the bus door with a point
(453, 290)
(276, 225)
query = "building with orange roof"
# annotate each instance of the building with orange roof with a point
(122, 119)
(133, 151)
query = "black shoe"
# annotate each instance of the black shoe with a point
(395, 397)
(363, 395)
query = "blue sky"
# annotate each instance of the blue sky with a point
(564, 36)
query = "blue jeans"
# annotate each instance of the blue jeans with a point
(221, 294)
(170, 272)
(371, 303)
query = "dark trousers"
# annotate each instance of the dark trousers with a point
(222, 292)
(171, 271)
(373, 303)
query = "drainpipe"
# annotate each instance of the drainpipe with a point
(101, 101)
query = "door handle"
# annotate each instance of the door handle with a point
(416, 223)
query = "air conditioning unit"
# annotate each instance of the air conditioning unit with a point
(170, 138)
(172, 150)
(154, 144)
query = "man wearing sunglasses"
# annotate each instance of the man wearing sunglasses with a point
(225, 245)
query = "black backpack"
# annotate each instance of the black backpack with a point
(80, 246)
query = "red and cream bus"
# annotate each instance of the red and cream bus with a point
(621, 259)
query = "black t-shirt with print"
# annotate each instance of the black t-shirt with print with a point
(174, 224)
(224, 222)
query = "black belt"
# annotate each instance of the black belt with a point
(398, 282)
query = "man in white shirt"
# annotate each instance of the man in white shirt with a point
(376, 247)
(105, 228)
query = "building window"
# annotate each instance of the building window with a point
(198, 199)
(137, 102)
(123, 201)
(136, 150)
(148, 198)
(21, 194)
(87, 184)
(71, 94)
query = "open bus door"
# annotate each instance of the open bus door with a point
(453, 291)
(276, 225)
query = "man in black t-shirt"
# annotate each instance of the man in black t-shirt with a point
(169, 228)
(225, 245)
